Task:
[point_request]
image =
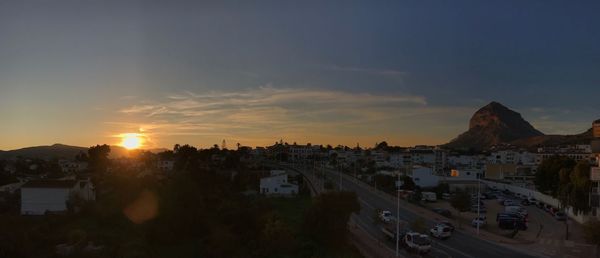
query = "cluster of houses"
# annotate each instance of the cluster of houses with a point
(429, 165)
(41, 195)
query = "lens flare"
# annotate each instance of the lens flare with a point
(131, 140)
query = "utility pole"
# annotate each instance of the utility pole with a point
(340, 169)
(478, 202)
(398, 219)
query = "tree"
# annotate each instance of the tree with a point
(578, 188)
(186, 157)
(327, 218)
(407, 183)
(591, 232)
(98, 158)
(385, 183)
(547, 178)
(277, 238)
(461, 201)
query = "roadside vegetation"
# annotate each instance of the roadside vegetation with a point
(198, 211)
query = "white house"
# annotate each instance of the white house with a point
(277, 184)
(41, 196)
(424, 176)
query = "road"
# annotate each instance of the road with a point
(459, 245)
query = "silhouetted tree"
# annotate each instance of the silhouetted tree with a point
(547, 177)
(327, 218)
(98, 158)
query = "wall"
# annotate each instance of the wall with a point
(36, 201)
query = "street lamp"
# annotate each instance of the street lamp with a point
(398, 217)
(478, 201)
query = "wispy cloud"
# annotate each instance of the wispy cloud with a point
(269, 112)
(390, 73)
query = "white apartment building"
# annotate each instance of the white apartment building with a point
(575, 152)
(277, 184)
(41, 196)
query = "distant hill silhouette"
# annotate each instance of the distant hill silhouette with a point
(495, 124)
(60, 151)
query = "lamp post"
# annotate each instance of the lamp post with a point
(478, 201)
(398, 217)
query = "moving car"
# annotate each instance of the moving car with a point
(385, 216)
(417, 242)
(440, 231)
(447, 224)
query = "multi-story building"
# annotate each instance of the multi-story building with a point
(575, 152)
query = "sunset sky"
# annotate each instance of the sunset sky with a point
(83, 72)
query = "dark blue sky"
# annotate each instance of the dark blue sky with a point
(201, 71)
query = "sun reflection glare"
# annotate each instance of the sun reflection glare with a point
(131, 140)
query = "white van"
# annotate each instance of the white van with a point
(428, 196)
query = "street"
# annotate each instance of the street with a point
(459, 245)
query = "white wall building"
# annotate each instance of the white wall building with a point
(41, 196)
(277, 184)
(424, 176)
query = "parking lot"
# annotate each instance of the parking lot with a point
(541, 224)
(545, 233)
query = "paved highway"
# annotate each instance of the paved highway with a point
(459, 245)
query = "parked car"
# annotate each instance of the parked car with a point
(525, 202)
(490, 196)
(501, 200)
(532, 201)
(481, 221)
(560, 216)
(428, 197)
(446, 196)
(510, 203)
(508, 222)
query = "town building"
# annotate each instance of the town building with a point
(575, 152)
(423, 177)
(277, 184)
(39, 197)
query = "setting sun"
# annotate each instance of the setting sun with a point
(131, 140)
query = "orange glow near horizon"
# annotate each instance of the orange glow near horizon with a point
(131, 141)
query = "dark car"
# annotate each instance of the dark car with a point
(443, 212)
(560, 216)
(490, 196)
(512, 223)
